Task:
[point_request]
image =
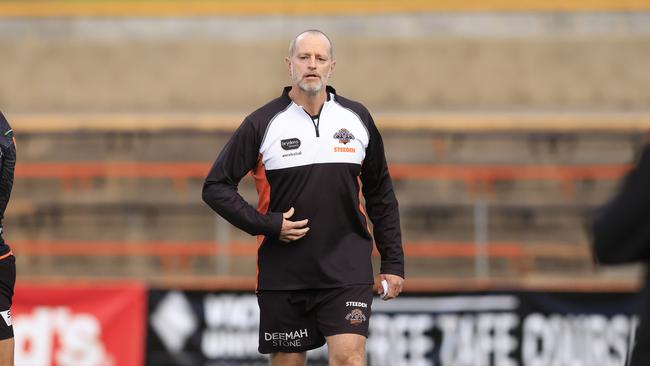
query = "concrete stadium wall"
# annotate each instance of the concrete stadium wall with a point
(422, 62)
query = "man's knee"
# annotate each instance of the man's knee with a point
(351, 358)
(347, 350)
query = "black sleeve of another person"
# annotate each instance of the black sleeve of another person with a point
(7, 164)
(621, 229)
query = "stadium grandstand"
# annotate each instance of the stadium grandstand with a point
(506, 125)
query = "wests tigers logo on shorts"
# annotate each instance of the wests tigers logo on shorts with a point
(356, 317)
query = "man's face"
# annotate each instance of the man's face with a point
(310, 66)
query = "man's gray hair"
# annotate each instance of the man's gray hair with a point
(292, 45)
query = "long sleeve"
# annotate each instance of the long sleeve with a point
(7, 165)
(238, 157)
(621, 229)
(381, 204)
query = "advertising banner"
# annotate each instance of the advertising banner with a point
(449, 329)
(79, 325)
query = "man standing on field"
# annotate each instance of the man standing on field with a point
(312, 154)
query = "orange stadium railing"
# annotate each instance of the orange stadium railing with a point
(474, 176)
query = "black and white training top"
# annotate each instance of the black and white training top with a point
(7, 165)
(319, 165)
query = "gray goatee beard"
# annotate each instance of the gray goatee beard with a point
(311, 90)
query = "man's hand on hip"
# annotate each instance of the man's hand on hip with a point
(394, 285)
(292, 230)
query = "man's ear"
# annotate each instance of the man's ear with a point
(287, 61)
(331, 68)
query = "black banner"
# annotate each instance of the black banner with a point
(446, 329)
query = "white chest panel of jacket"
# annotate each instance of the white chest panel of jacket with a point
(291, 138)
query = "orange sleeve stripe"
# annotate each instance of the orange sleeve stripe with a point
(363, 210)
(264, 193)
(6, 255)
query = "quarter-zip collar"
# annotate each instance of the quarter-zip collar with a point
(331, 92)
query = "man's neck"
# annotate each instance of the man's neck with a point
(311, 103)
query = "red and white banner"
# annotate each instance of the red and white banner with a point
(79, 325)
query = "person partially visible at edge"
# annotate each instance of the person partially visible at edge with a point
(621, 234)
(7, 260)
(312, 154)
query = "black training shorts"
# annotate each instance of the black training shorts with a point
(299, 320)
(7, 282)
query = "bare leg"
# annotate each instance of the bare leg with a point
(346, 350)
(288, 359)
(7, 352)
